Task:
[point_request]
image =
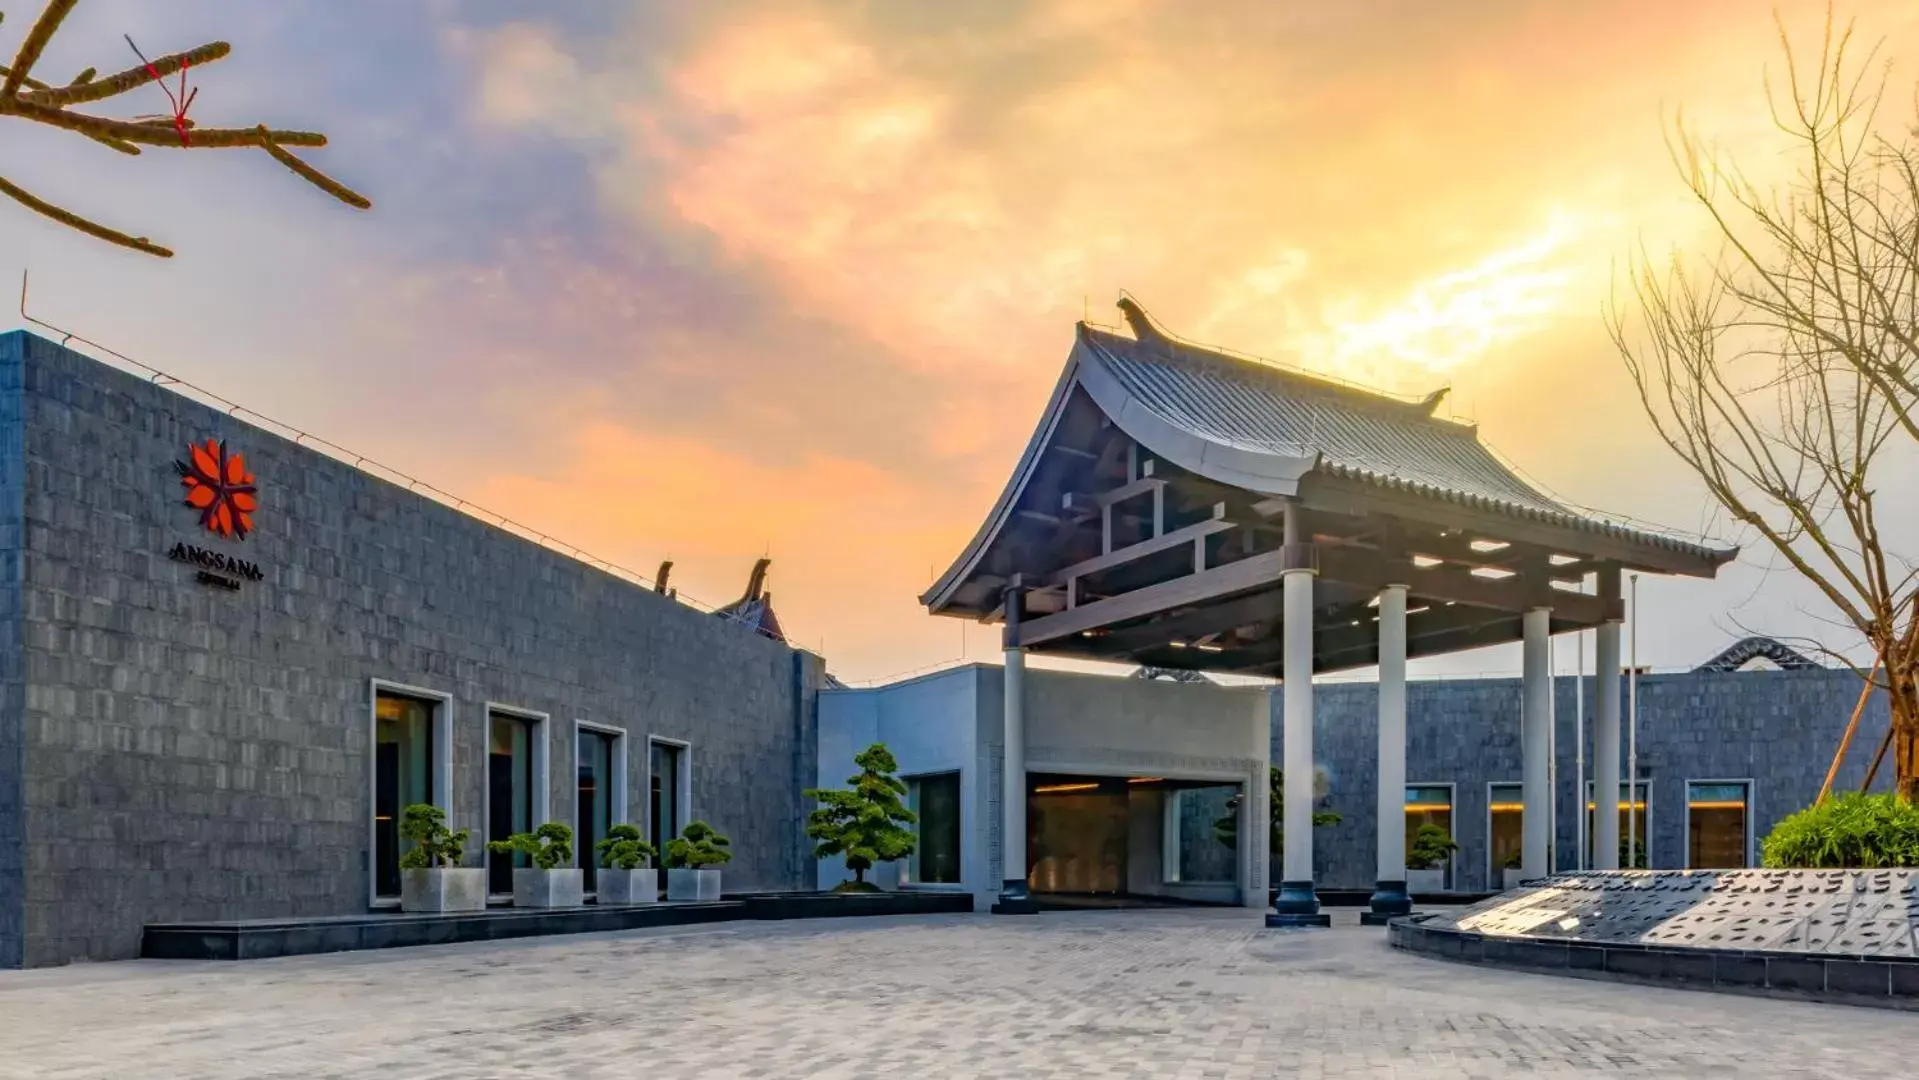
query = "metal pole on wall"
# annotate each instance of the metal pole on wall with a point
(1632, 737)
(1579, 752)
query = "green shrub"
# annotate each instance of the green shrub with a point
(867, 823)
(1431, 847)
(698, 846)
(625, 849)
(1226, 829)
(1851, 831)
(434, 845)
(550, 846)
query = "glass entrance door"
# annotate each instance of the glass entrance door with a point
(509, 781)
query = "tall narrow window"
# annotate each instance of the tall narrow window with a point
(403, 768)
(664, 816)
(1632, 822)
(596, 812)
(1716, 823)
(510, 789)
(1505, 829)
(936, 855)
(1429, 804)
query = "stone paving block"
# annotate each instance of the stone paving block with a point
(1159, 994)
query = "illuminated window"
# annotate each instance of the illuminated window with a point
(1632, 821)
(404, 758)
(1505, 827)
(1429, 804)
(1717, 818)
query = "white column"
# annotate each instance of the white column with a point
(1298, 676)
(1013, 899)
(1392, 745)
(1605, 766)
(1013, 836)
(1535, 716)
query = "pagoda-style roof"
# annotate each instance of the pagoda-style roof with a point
(1160, 471)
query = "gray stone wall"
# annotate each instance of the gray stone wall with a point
(194, 753)
(1778, 729)
(12, 740)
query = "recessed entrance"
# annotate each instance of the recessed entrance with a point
(1141, 838)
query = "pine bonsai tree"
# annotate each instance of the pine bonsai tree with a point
(1431, 847)
(1226, 829)
(624, 849)
(867, 823)
(434, 845)
(550, 846)
(697, 847)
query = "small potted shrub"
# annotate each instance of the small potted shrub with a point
(1510, 873)
(1426, 859)
(548, 883)
(627, 876)
(432, 881)
(693, 860)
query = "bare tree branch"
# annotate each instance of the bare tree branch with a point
(43, 104)
(1784, 371)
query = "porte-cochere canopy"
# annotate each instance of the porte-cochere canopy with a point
(1146, 521)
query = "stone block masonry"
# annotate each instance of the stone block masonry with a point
(174, 752)
(1775, 729)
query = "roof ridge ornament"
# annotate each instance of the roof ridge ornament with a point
(1142, 326)
(1430, 403)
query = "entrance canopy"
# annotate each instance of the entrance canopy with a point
(1148, 520)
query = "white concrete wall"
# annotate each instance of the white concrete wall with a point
(929, 724)
(1089, 724)
(1105, 725)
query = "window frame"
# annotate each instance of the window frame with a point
(1645, 837)
(959, 808)
(616, 812)
(1495, 875)
(442, 770)
(539, 742)
(1750, 848)
(683, 792)
(1451, 868)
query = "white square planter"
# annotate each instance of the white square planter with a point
(536, 888)
(626, 888)
(1425, 881)
(440, 892)
(1511, 877)
(692, 884)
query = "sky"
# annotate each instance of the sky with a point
(706, 282)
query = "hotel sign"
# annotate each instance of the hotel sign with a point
(219, 486)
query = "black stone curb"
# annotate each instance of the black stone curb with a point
(1883, 982)
(264, 939)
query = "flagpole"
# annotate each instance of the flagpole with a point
(1579, 733)
(1632, 741)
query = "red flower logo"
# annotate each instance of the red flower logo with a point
(220, 487)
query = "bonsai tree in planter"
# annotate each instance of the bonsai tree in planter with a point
(866, 823)
(1426, 858)
(431, 877)
(626, 867)
(1226, 829)
(549, 882)
(692, 862)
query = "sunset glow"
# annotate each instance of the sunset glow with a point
(795, 278)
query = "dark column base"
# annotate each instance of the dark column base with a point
(1297, 905)
(1015, 900)
(1390, 901)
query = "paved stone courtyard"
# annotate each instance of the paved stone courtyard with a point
(1179, 994)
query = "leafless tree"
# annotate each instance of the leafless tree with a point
(1784, 369)
(27, 98)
